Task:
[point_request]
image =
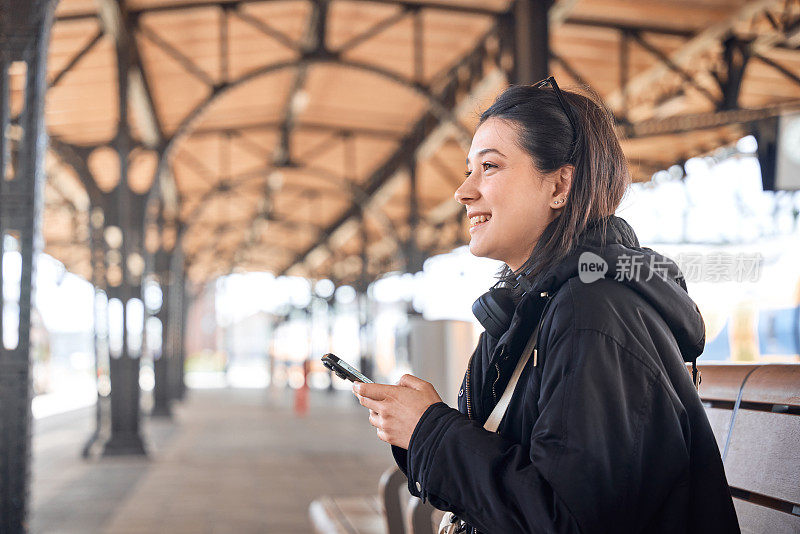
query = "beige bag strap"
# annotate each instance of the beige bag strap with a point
(451, 524)
(496, 417)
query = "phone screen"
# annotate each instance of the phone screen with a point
(343, 369)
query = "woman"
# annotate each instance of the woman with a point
(605, 431)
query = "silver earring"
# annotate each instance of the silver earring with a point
(559, 201)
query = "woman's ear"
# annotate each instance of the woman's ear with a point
(561, 186)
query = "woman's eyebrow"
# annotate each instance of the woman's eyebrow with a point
(486, 151)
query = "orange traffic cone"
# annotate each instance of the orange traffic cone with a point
(301, 394)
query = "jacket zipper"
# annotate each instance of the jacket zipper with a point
(467, 388)
(496, 378)
(497, 371)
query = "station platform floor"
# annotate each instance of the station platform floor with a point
(229, 461)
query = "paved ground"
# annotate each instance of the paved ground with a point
(231, 461)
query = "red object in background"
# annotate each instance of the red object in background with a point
(301, 394)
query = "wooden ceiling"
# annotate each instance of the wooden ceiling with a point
(274, 151)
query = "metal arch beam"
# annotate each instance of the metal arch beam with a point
(76, 58)
(410, 5)
(358, 196)
(437, 107)
(407, 5)
(374, 30)
(204, 250)
(471, 10)
(228, 255)
(217, 192)
(115, 24)
(121, 27)
(213, 191)
(248, 241)
(227, 186)
(672, 66)
(86, 148)
(622, 26)
(313, 42)
(703, 121)
(72, 156)
(187, 64)
(780, 68)
(641, 28)
(198, 167)
(313, 126)
(362, 199)
(577, 76)
(246, 223)
(336, 134)
(390, 234)
(698, 44)
(261, 26)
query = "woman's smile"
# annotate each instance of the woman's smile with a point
(476, 221)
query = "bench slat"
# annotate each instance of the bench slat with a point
(347, 515)
(722, 382)
(325, 517)
(755, 519)
(762, 457)
(774, 384)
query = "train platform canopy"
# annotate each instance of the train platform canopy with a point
(325, 138)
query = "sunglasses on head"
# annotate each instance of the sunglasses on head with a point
(552, 82)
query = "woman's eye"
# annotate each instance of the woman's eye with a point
(485, 165)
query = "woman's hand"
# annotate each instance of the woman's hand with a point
(395, 410)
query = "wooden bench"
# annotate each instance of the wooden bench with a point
(393, 511)
(754, 411)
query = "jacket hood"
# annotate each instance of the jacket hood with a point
(610, 249)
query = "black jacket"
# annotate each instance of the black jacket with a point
(606, 433)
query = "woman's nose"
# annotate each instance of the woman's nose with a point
(467, 192)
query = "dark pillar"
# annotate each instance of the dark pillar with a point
(362, 301)
(124, 364)
(330, 317)
(98, 251)
(414, 257)
(365, 343)
(531, 40)
(126, 213)
(163, 353)
(177, 325)
(24, 38)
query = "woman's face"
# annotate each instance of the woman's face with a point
(509, 203)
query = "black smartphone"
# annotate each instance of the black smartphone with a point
(343, 369)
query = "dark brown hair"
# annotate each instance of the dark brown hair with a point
(600, 177)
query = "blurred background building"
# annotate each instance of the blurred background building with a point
(214, 193)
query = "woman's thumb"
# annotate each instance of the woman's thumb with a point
(411, 381)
